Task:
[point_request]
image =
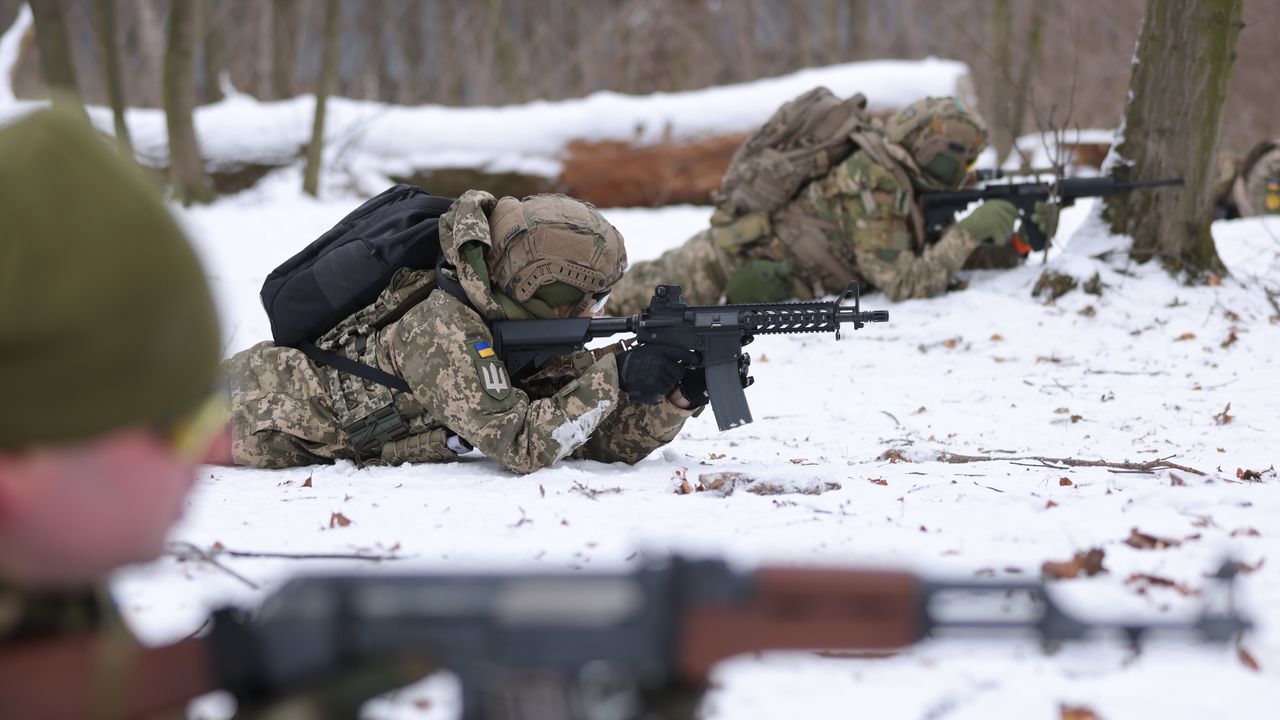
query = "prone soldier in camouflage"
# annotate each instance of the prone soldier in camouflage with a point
(861, 220)
(1249, 186)
(545, 256)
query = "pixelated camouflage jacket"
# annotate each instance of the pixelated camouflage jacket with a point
(289, 411)
(852, 223)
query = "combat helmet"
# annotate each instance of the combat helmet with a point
(553, 250)
(944, 138)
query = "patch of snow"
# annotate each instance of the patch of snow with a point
(10, 48)
(574, 432)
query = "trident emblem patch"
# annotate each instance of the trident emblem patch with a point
(493, 374)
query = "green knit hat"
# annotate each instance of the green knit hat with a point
(106, 320)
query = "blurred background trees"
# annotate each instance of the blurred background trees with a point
(1029, 57)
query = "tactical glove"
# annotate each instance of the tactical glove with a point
(1045, 217)
(761, 280)
(694, 384)
(993, 220)
(646, 373)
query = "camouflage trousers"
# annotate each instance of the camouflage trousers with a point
(281, 415)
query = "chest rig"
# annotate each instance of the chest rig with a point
(381, 425)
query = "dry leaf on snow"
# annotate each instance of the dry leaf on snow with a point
(1143, 541)
(338, 520)
(1076, 712)
(1143, 582)
(1088, 562)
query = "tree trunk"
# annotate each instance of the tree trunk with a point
(858, 19)
(1181, 70)
(328, 76)
(1002, 134)
(107, 32)
(56, 64)
(284, 46)
(1030, 56)
(186, 168)
(215, 58)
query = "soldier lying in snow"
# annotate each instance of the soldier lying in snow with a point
(860, 219)
(546, 256)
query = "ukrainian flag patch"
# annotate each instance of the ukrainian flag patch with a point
(484, 349)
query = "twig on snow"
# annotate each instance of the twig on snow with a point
(185, 551)
(891, 417)
(1149, 466)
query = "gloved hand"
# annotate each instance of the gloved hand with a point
(992, 220)
(694, 384)
(761, 280)
(1045, 216)
(646, 373)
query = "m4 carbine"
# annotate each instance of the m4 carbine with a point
(940, 207)
(713, 335)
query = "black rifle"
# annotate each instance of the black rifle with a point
(581, 646)
(713, 335)
(607, 645)
(940, 207)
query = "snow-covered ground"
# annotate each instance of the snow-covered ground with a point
(1145, 370)
(1142, 371)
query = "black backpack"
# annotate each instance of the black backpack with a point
(347, 267)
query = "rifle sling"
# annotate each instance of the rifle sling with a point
(359, 369)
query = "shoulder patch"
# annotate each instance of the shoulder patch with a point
(493, 377)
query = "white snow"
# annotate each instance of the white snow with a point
(365, 137)
(987, 370)
(10, 47)
(573, 433)
(1146, 370)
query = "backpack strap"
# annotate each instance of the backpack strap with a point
(874, 145)
(347, 365)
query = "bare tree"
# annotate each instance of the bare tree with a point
(107, 30)
(1030, 57)
(55, 52)
(215, 58)
(328, 77)
(284, 46)
(1181, 71)
(1002, 134)
(186, 168)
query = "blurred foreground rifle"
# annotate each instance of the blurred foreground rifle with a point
(713, 335)
(940, 207)
(582, 646)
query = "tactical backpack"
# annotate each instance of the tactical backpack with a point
(802, 141)
(346, 268)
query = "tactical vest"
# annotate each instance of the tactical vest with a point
(372, 417)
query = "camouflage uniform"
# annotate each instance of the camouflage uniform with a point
(1256, 190)
(289, 411)
(855, 222)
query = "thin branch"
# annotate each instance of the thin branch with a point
(308, 556)
(1149, 466)
(185, 552)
